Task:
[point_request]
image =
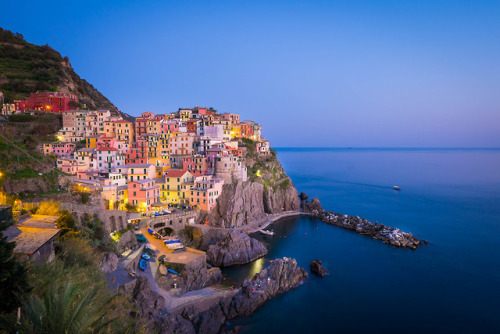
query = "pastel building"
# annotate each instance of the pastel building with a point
(177, 182)
(143, 194)
(205, 192)
(58, 149)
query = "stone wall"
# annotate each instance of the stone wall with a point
(113, 220)
(175, 221)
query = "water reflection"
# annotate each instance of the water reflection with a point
(255, 267)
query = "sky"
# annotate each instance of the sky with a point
(313, 73)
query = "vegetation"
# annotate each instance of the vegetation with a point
(70, 295)
(13, 274)
(48, 208)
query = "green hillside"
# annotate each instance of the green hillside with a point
(26, 68)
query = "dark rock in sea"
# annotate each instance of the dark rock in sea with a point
(235, 247)
(317, 268)
(303, 196)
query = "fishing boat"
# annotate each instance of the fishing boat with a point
(267, 232)
(173, 271)
(143, 264)
(146, 256)
(396, 188)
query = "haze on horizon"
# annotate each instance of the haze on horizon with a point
(320, 73)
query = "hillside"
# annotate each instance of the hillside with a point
(26, 68)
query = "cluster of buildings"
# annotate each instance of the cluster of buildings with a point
(52, 102)
(182, 158)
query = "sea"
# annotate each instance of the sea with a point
(449, 197)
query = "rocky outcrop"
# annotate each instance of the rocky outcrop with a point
(193, 276)
(209, 315)
(317, 268)
(127, 241)
(244, 202)
(234, 247)
(175, 323)
(109, 263)
(149, 305)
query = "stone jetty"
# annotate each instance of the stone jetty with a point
(388, 235)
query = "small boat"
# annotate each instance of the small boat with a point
(175, 246)
(143, 264)
(172, 241)
(173, 272)
(140, 238)
(267, 232)
(150, 231)
(396, 188)
(146, 256)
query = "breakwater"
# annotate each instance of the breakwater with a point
(387, 234)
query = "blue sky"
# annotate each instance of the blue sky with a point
(314, 73)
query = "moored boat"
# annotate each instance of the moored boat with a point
(145, 256)
(267, 232)
(143, 264)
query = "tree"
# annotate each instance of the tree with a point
(13, 274)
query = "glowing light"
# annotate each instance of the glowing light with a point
(60, 137)
(258, 173)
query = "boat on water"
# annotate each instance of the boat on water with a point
(143, 264)
(267, 232)
(173, 271)
(146, 256)
(396, 188)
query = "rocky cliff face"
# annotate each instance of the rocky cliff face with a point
(245, 202)
(234, 248)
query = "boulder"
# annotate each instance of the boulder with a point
(235, 248)
(317, 268)
(109, 263)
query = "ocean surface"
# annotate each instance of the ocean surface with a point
(450, 197)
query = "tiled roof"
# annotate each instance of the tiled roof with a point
(175, 173)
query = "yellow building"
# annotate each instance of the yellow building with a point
(91, 141)
(176, 186)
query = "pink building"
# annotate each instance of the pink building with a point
(205, 192)
(58, 148)
(143, 194)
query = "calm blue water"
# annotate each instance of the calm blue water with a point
(449, 197)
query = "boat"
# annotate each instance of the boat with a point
(150, 231)
(145, 256)
(140, 238)
(396, 188)
(173, 272)
(267, 232)
(175, 241)
(175, 246)
(143, 264)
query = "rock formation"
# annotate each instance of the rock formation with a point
(317, 268)
(209, 315)
(109, 263)
(234, 247)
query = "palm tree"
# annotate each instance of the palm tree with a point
(64, 310)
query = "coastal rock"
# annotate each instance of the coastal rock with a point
(209, 315)
(193, 276)
(109, 263)
(388, 235)
(244, 202)
(235, 248)
(175, 323)
(303, 196)
(317, 268)
(149, 305)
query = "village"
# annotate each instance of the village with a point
(152, 164)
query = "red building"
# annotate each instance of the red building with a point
(46, 101)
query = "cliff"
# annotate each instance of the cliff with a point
(268, 190)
